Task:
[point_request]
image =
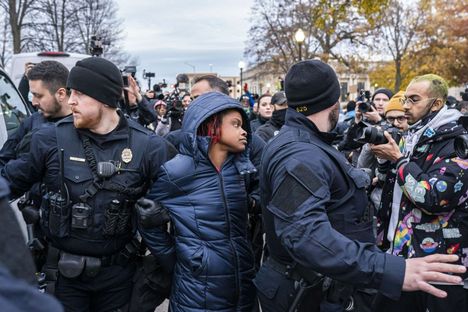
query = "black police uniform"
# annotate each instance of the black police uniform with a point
(93, 228)
(314, 213)
(14, 143)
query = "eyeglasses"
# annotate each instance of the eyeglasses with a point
(411, 101)
(399, 119)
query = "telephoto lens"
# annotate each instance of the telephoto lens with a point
(461, 142)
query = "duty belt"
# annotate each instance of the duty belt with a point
(286, 269)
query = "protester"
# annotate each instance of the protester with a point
(429, 207)
(274, 124)
(263, 111)
(213, 259)
(162, 125)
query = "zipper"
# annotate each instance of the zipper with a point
(228, 222)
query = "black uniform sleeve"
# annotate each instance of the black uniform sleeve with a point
(146, 114)
(8, 151)
(29, 168)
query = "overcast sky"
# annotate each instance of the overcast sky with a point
(166, 36)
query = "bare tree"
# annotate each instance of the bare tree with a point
(330, 27)
(18, 12)
(4, 39)
(54, 26)
(99, 18)
(399, 33)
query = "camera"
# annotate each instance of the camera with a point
(464, 95)
(130, 70)
(461, 142)
(375, 135)
(95, 48)
(366, 104)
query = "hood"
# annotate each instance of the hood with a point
(205, 106)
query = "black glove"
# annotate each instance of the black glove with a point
(151, 214)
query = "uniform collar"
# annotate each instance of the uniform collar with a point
(298, 120)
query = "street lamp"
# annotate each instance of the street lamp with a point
(300, 37)
(241, 67)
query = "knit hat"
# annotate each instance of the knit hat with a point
(279, 98)
(351, 106)
(97, 78)
(311, 86)
(387, 92)
(160, 102)
(394, 103)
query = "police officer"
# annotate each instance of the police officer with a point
(48, 86)
(315, 216)
(94, 165)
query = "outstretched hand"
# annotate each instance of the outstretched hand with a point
(420, 273)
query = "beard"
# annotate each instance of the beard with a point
(333, 117)
(53, 111)
(87, 120)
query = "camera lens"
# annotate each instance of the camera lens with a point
(364, 107)
(372, 135)
(461, 146)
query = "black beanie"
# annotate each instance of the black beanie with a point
(387, 92)
(97, 78)
(311, 86)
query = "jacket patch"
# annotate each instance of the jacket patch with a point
(442, 170)
(429, 133)
(416, 191)
(441, 186)
(458, 186)
(463, 198)
(464, 257)
(428, 245)
(462, 163)
(451, 233)
(453, 248)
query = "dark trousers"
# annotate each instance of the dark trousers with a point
(457, 300)
(109, 290)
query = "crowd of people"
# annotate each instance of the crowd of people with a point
(273, 202)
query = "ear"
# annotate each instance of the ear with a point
(61, 94)
(438, 104)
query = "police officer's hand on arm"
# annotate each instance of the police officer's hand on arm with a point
(421, 272)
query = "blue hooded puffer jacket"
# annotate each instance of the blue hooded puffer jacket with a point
(214, 264)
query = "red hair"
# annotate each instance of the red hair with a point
(211, 128)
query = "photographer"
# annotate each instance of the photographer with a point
(383, 169)
(162, 125)
(429, 202)
(372, 113)
(135, 105)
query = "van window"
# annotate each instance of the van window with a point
(12, 108)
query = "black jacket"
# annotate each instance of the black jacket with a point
(314, 206)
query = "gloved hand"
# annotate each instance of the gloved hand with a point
(151, 214)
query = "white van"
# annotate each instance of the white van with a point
(16, 67)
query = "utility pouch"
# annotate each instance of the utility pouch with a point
(339, 293)
(123, 225)
(111, 216)
(92, 266)
(58, 215)
(71, 266)
(81, 216)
